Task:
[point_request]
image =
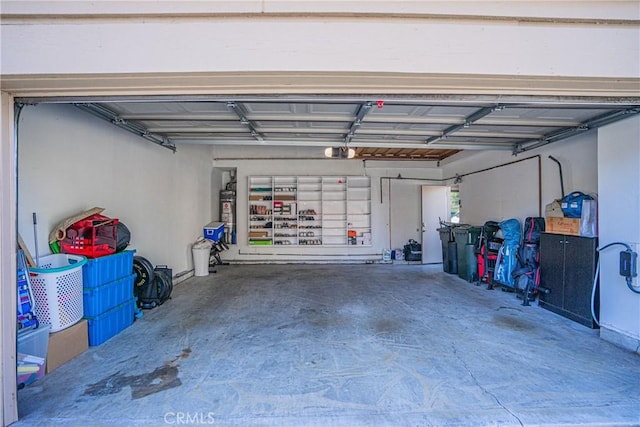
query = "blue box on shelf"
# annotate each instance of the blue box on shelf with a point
(97, 300)
(214, 231)
(99, 271)
(111, 322)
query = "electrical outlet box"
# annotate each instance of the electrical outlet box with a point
(628, 263)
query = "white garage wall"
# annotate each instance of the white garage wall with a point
(70, 161)
(270, 161)
(512, 191)
(619, 221)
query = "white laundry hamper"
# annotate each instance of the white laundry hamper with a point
(57, 289)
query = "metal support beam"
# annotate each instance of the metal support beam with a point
(295, 142)
(363, 110)
(242, 114)
(136, 128)
(558, 135)
(468, 121)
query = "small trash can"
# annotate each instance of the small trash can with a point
(201, 251)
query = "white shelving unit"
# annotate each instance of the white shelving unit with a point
(310, 210)
(260, 210)
(285, 216)
(359, 210)
(334, 208)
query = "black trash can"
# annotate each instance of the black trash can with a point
(452, 257)
(449, 254)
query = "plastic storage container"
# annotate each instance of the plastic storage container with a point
(111, 322)
(108, 288)
(97, 300)
(32, 354)
(57, 290)
(108, 268)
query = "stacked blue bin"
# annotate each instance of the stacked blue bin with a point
(108, 299)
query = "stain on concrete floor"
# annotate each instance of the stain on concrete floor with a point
(142, 385)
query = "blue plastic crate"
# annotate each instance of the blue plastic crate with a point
(99, 299)
(111, 322)
(99, 271)
(214, 231)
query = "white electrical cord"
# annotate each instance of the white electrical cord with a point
(595, 279)
(593, 293)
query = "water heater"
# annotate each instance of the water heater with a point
(228, 214)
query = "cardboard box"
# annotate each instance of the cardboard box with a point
(258, 234)
(67, 344)
(570, 226)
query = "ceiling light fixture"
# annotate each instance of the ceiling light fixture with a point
(339, 152)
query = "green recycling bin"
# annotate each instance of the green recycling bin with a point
(466, 237)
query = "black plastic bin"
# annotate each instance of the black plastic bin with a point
(452, 250)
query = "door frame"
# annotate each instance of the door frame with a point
(8, 273)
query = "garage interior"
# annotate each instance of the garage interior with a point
(333, 333)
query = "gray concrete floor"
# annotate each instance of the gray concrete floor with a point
(342, 345)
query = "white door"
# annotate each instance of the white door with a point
(435, 206)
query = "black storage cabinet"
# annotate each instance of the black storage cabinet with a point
(567, 268)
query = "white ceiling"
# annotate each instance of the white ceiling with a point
(414, 128)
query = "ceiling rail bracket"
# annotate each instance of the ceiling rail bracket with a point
(363, 110)
(135, 128)
(467, 122)
(241, 112)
